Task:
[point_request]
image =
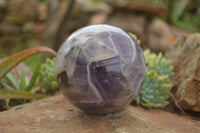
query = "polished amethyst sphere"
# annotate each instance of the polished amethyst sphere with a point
(100, 69)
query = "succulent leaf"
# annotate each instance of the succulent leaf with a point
(158, 74)
(135, 37)
(9, 63)
(158, 63)
(47, 78)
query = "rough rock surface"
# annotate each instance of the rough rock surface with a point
(56, 114)
(160, 35)
(185, 56)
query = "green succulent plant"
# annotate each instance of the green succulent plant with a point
(153, 92)
(20, 86)
(47, 78)
(158, 63)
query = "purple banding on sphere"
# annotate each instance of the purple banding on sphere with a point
(100, 69)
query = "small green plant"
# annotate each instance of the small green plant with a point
(22, 82)
(158, 63)
(153, 92)
(47, 78)
(43, 79)
(14, 88)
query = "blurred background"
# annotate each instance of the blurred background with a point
(157, 23)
